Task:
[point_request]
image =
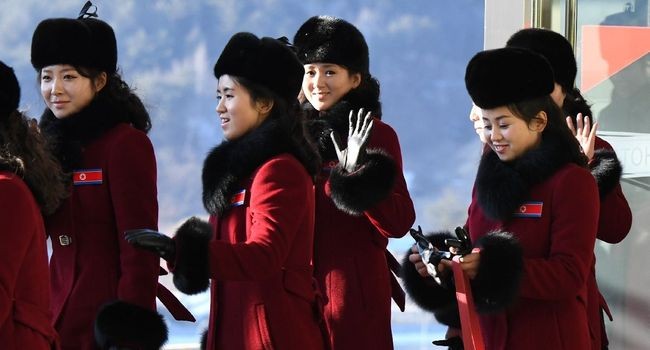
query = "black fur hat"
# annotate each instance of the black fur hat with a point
(86, 42)
(268, 62)
(9, 90)
(500, 77)
(332, 40)
(554, 47)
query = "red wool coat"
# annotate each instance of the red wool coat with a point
(91, 264)
(614, 224)
(550, 311)
(25, 319)
(260, 263)
(349, 256)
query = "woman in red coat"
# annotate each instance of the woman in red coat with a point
(258, 189)
(30, 184)
(361, 197)
(97, 128)
(615, 217)
(530, 276)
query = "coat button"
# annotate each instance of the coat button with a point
(65, 240)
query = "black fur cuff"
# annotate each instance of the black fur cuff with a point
(607, 170)
(204, 340)
(362, 189)
(424, 291)
(192, 271)
(499, 274)
(123, 325)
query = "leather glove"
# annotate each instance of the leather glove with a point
(153, 241)
(358, 135)
(453, 343)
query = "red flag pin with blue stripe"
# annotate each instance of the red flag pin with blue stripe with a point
(87, 177)
(238, 198)
(529, 210)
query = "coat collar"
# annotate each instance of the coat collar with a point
(232, 162)
(502, 186)
(68, 136)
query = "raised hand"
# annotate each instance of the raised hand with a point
(584, 133)
(152, 241)
(358, 135)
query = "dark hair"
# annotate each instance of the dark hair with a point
(291, 119)
(118, 93)
(23, 151)
(556, 128)
(575, 103)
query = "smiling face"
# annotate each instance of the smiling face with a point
(238, 113)
(325, 83)
(510, 136)
(65, 91)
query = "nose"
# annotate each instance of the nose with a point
(319, 80)
(56, 87)
(221, 108)
(494, 134)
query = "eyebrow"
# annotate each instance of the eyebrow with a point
(322, 65)
(226, 89)
(497, 118)
(64, 70)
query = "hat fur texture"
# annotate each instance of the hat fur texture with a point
(9, 90)
(554, 47)
(325, 39)
(265, 61)
(508, 75)
(83, 42)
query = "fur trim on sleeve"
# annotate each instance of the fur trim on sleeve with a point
(425, 292)
(123, 325)
(191, 272)
(204, 340)
(607, 170)
(370, 184)
(448, 315)
(499, 274)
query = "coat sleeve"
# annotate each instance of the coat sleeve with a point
(15, 237)
(281, 193)
(563, 273)
(615, 218)
(378, 189)
(132, 179)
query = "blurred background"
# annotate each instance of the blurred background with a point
(167, 48)
(418, 51)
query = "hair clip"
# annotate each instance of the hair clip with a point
(85, 11)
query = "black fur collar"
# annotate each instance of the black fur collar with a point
(66, 137)
(503, 186)
(229, 163)
(321, 124)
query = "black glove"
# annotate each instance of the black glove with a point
(153, 241)
(453, 343)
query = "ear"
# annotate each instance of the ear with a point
(356, 80)
(264, 106)
(539, 122)
(100, 81)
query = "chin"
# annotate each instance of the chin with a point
(61, 115)
(505, 157)
(319, 106)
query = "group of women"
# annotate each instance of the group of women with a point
(303, 194)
